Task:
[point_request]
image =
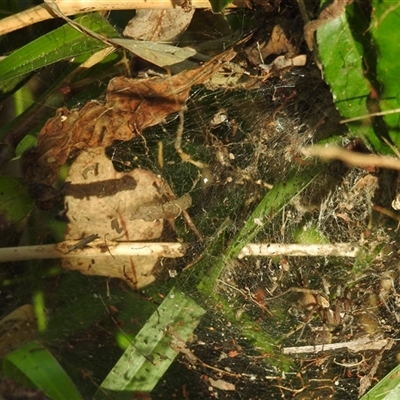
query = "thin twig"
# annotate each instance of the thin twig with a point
(97, 248)
(247, 296)
(313, 250)
(366, 116)
(44, 12)
(352, 158)
(362, 344)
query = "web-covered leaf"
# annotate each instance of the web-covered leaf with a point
(130, 107)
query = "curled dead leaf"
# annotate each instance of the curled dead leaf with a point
(131, 106)
(160, 25)
(117, 206)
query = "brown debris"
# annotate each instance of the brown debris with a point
(333, 11)
(131, 106)
(161, 25)
(277, 44)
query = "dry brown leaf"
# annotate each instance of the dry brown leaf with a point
(131, 106)
(103, 202)
(221, 384)
(277, 44)
(158, 25)
(171, 58)
(334, 10)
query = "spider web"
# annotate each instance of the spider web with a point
(249, 141)
(254, 148)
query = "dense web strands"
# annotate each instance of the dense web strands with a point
(206, 249)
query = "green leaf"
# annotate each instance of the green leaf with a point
(39, 366)
(151, 353)
(60, 44)
(387, 388)
(341, 54)
(310, 234)
(386, 33)
(15, 201)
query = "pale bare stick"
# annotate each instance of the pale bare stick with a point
(178, 143)
(352, 158)
(311, 250)
(163, 249)
(362, 344)
(80, 28)
(44, 12)
(94, 249)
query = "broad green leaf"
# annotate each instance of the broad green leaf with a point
(342, 57)
(386, 33)
(15, 201)
(42, 370)
(60, 44)
(387, 388)
(151, 353)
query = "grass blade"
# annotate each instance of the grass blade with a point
(60, 44)
(38, 365)
(149, 356)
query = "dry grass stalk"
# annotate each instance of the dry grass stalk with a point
(44, 12)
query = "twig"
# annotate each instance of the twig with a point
(83, 242)
(80, 28)
(247, 296)
(362, 344)
(365, 381)
(96, 248)
(179, 345)
(366, 116)
(313, 250)
(43, 12)
(171, 250)
(386, 212)
(352, 158)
